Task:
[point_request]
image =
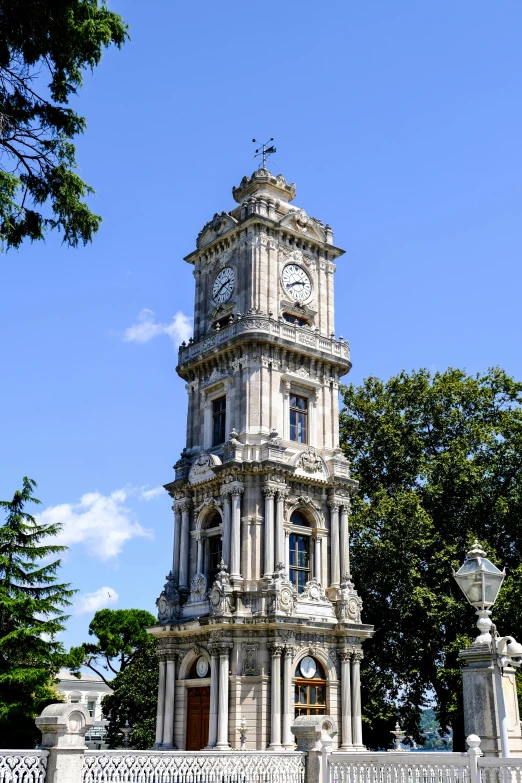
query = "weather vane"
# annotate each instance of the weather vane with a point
(264, 151)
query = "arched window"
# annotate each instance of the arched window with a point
(214, 546)
(75, 698)
(299, 554)
(310, 688)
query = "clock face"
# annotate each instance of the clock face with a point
(308, 667)
(202, 667)
(296, 282)
(223, 285)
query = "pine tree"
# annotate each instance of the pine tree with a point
(31, 616)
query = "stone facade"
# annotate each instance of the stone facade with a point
(260, 576)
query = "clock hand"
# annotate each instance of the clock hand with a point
(224, 284)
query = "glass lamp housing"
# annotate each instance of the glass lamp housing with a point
(479, 579)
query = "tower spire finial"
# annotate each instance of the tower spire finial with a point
(264, 151)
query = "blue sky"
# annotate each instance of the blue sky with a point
(400, 124)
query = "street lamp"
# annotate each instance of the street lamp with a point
(480, 581)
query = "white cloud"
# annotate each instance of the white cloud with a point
(179, 330)
(101, 523)
(89, 603)
(150, 494)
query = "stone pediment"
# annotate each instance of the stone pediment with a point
(310, 464)
(203, 466)
(219, 225)
(299, 222)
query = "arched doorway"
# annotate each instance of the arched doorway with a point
(198, 707)
(310, 688)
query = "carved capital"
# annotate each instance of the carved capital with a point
(276, 650)
(345, 655)
(289, 651)
(269, 492)
(334, 505)
(357, 656)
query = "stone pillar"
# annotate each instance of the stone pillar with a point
(199, 554)
(184, 545)
(480, 701)
(346, 700)
(287, 551)
(235, 541)
(177, 538)
(288, 699)
(222, 722)
(214, 687)
(357, 656)
(226, 529)
(345, 541)
(63, 728)
(335, 580)
(279, 527)
(269, 532)
(317, 558)
(275, 696)
(168, 715)
(161, 704)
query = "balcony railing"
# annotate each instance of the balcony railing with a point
(250, 323)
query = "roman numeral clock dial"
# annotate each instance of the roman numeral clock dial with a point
(296, 282)
(223, 285)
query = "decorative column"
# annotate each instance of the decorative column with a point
(235, 541)
(288, 699)
(177, 538)
(269, 493)
(275, 693)
(214, 687)
(317, 558)
(161, 704)
(346, 700)
(168, 715)
(199, 554)
(222, 718)
(357, 657)
(226, 528)
(279, 529)
(334, 544)
(345, 541)
(287, 551)
(184, 544)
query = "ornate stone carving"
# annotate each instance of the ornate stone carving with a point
(313, 591)
(221, 594)
(198, 589)
(250, 658)
(348, 607)
(309, 461)
(281, 592)
(202, 464)
(168, 602)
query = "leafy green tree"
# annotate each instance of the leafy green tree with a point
(121, 635)
(124, 649)
(31, 616)
(134, 699)
(44, 46)
(438, 460)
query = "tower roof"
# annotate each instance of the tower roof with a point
(262, 182)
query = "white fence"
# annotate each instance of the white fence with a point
(23, 766)
(119, 766)
(428, 767)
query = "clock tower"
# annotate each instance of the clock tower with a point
(259, 618)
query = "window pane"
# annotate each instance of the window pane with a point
(292, 401)
(320, 694)
(313, 696)
(301, 403)
(302, 694)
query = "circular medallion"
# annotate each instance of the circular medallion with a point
(162, 606)
(223, 285)
(202, 667)
(286, 597)
(296, 282)
(308, 667)
(215, 597)
(314, 591)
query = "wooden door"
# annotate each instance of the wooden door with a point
(198, 714)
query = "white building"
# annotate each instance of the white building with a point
(89, 690)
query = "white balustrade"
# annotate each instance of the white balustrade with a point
(120, 766)
(23, 766)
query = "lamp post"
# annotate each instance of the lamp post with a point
(480, 581)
